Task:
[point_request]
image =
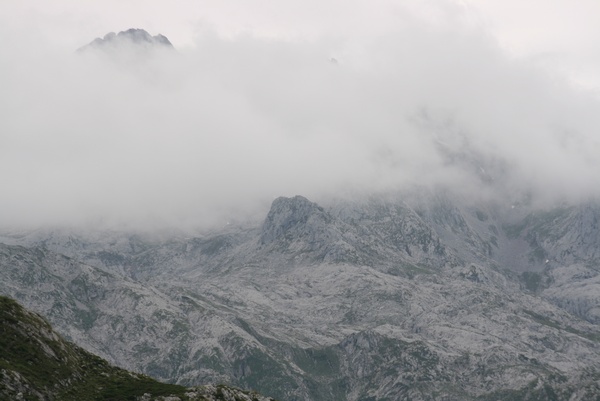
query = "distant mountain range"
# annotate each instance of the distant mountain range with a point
(421, 295)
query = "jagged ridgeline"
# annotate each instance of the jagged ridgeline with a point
(36, 363)
(131, 38)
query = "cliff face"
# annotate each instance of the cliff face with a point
(392, 297)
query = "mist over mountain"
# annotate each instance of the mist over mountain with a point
(411, 213)
(203, 135)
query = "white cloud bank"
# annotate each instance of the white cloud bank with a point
(227, 124)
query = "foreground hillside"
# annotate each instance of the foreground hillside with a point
(386, 298)
(37, 364)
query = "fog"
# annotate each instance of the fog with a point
(225, 124)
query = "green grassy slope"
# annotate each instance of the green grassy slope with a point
(38, 364)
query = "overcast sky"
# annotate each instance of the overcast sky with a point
(268, 98)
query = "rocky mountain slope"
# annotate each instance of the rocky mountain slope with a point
(402, 296)
(36, 363)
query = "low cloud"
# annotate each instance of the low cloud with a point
(221, 128)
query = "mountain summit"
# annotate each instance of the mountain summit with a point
(138, 38)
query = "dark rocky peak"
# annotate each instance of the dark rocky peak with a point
(131, 37)
(289, 216)
(307, 233)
